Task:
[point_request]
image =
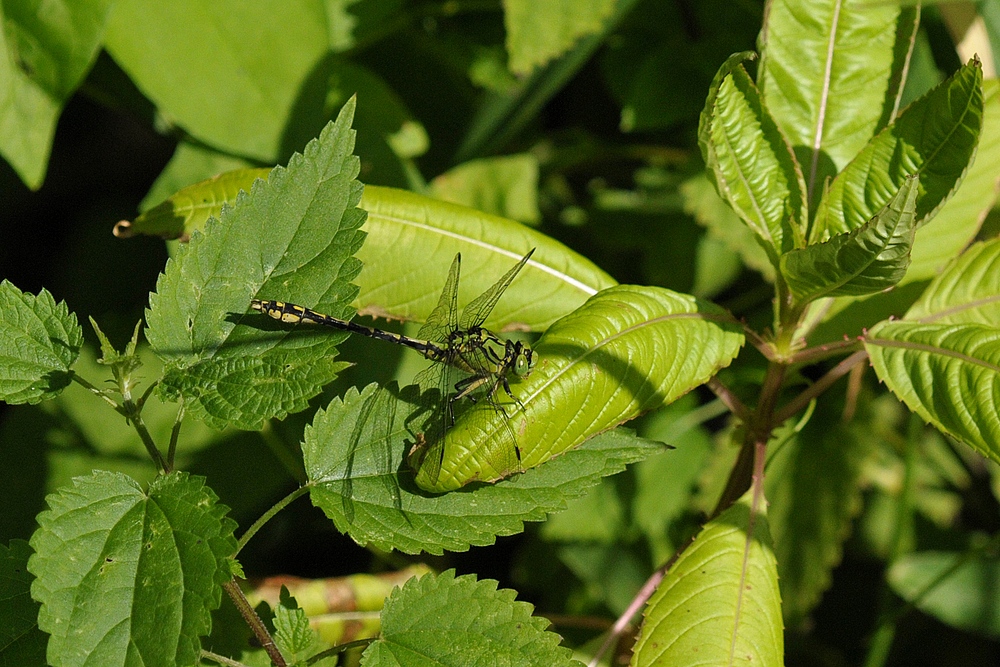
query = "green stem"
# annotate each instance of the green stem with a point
(133, 414)
(277, 507)
(818, 387)
(221, 659)
(340, 648)
(253, 620)
(175, 433)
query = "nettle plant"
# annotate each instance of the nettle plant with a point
(834, 183)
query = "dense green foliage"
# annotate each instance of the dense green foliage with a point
(762, 303)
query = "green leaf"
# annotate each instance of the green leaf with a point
(293, 236)
(830, 102)
(506, 186)
(538, 32)
(354, 455)
(814, 489)
(955, 588)
(949, 374)
(39, 341)
(204, 65)
(406, 285)
(967, 291)
(958, 221)
(21, 642)
(413, 239)
(628, 350)
(750, 161)
(935, 138)
(189, 165)
(869, 259)
(190, 208)
(46, 50)
(720, 600)
(293, 635)
(127, 577)
(943, 359)
(447, 620)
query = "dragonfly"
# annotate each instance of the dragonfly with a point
(470, 362)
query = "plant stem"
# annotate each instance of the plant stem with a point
(818, 387)
(264, 518)
(253, 620)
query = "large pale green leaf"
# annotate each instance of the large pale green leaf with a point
(935, 138)
(39, 342)
(229, 72)
(411, 237)
(440, 619)
(127, 577)
(828, 75)
(628, 350)
(355, 458)
(542, 30)
(719, 601)
(46, 48)
(750, 161)
(292, 238)
(869, 259)
(412, 240)
(956, 588)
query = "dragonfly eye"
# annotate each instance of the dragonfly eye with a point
(524, 362)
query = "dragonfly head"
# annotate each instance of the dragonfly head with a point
(524, 359)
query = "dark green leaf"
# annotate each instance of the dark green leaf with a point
(447, 620)
(934, 138)
(292, 238)
(750, 161)
(39, 342)
(355, 455)
(126, 576)
(872, 258)
(21, 642)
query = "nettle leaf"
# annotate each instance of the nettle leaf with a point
(21, 642)
(628, 350)
(832, 105)
(447, 620)
(355, 458)
(293, 238)
(934, 138)
(39, 342)
(126, 576)
(869, 259)
(720, 600)
(943, 359)
(750, 161)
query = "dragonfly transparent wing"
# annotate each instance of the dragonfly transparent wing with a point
(444, 318)
(477, 310)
